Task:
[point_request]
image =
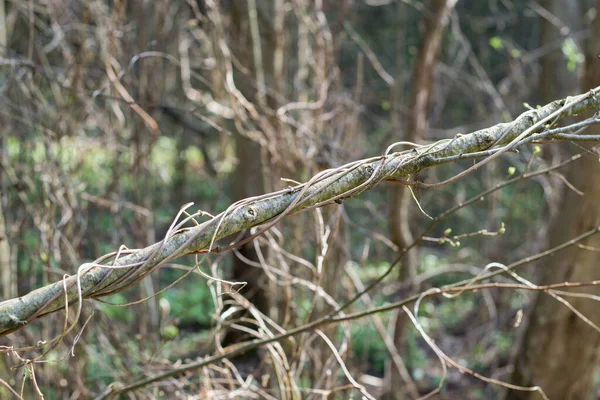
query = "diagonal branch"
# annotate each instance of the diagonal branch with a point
(94, 280)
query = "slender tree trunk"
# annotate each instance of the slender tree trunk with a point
(143, 141)
(556, 80)
(8, 274)
(434, 23)
(560, 351)
(249, 182)
(249, 175)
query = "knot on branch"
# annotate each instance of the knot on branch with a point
(486, 140)
(250, 213)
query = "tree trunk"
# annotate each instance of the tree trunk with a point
(560, 351)
(556, 80)
(249, 177)
(249, 182)
(7, 273)
(434, 23)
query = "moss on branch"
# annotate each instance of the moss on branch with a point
(346, 181)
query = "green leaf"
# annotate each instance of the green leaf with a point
(572, 54)
(496, 43)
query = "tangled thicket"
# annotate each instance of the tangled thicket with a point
(119, 113)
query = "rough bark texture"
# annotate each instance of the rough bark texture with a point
(560, 351)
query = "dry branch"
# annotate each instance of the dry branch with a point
(328, 186)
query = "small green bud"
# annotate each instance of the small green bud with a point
(511, 171)
(536, 149)
(169, 332)
(447, 231)
(502, 230)
(496, 43)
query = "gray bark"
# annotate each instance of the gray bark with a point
(348, 181)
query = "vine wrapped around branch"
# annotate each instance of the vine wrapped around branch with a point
(94, 280)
